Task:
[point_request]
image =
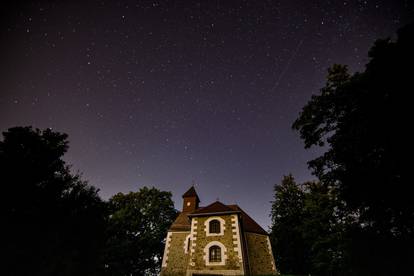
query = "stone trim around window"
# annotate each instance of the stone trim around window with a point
(207, 226)
(207, 253)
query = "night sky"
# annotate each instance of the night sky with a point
(164, 93)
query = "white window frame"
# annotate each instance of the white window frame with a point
(207, 253)
(207, 226)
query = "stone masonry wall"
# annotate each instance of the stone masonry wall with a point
(230, 239)
(176, 258)
(260, 255)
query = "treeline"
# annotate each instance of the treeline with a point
(54, 223)
(358, 218)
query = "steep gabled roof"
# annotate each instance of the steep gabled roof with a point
(214, 208)
(183, 220)
(249, 225)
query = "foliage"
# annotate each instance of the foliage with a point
(52, 220)
(323, 229)
(286, 233)
(138, 224)
(307, 230)
(362, 120)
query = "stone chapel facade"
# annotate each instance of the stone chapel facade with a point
(215, 240)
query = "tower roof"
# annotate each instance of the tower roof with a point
(191, 193)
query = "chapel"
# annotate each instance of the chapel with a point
(217, 239)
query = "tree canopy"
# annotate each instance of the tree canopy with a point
(56, 224)
(306, 231)
(286, 236)
(362, 120)
(138, 225)
(53, 220)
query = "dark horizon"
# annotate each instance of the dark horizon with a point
(164, 93)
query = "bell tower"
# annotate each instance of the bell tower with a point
(190, 200)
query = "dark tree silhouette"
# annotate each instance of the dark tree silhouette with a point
(323, 228)
(363, 120)
(138, 225)
(307, 231)
(286, 231)
(52, 220)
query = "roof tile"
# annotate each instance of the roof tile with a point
(182, 222)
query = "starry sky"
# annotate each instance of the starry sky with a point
(167, 93)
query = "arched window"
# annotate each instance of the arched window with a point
(214, 226)
(187, 244)
(215, 254)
